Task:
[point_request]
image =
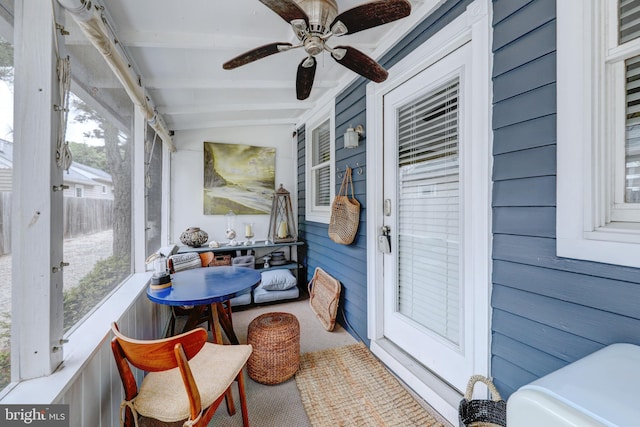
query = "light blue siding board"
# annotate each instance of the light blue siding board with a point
(604, 294)
(502, 9)
(530, 105)
(534, 162)
(537, 132)
(535, 74)
(545, 338)
(538, 191)
(513, 376)
(600, 326)
(526, 221)
(348, 112)
(542, 252)
(539, 363)
(538, 43)
(356, 322)
(324, 257)
(424, 31)
(532, 16)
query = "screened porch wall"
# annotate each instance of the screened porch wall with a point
(547, 311)
(95, 394)
(348, 263)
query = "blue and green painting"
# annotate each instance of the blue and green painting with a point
(238, 177)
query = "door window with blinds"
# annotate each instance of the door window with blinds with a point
(319, 170)
(428, 288)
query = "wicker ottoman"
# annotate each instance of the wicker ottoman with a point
(275, 338)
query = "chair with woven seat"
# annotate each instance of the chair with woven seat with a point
(187, 378)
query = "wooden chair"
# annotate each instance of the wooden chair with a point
(186, 381)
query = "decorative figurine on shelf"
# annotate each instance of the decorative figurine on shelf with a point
(231, 223)
(282, 227)
(194, 237)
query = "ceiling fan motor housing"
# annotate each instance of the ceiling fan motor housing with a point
(321, 13)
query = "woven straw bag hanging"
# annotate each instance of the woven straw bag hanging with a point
(345, 213)
(482, 412)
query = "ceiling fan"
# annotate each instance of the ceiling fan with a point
(314, 22)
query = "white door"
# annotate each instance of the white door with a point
(426, 179)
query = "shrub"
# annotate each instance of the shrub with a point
(92, 288)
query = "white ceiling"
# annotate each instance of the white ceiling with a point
(178, 48)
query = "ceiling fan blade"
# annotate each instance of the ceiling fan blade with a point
(304, 79)
(360, 63)
(287, 9)
(370, 15)
(255, 54)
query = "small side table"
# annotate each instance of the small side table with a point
(275, 338)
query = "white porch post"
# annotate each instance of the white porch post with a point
(37, 316)
(139, 190)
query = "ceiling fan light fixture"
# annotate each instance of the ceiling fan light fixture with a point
(309, 62)
(338, 53)
(299, 28)
(313, 45)
(339, 29)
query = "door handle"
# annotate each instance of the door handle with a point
(384, 240)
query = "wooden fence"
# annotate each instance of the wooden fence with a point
(81, 216)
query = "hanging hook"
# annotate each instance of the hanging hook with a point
(340, 174)
(359, 168)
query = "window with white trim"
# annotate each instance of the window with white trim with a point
(320, 168)
(598, 130)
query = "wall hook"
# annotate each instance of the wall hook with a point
(359, 168)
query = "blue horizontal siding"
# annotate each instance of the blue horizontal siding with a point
(547, 311)
(538, 132)
(533, 162)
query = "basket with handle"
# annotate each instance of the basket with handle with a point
(345, 213)
(482, 412)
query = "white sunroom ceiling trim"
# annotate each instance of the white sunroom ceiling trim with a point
(93, 26)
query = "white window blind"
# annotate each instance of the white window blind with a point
(632, 143)
(321, 166)
(629, 17)
(428, 209)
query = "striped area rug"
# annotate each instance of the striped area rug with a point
(348, 386)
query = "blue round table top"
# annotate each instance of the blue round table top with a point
(206, 285)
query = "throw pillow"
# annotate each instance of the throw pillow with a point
(278, 280)
(185, 261)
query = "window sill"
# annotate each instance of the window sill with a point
(616, 244)
(322, 218)
(83, 343)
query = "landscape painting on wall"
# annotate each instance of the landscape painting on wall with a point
(237, 177)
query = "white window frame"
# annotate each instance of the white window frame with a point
(314, 212)
(590, 133)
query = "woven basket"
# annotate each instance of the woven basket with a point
(219, 260)
(275, 338)
(482, 412)
(324, 295)
(345, 213)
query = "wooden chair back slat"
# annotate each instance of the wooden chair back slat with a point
(158, 355)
